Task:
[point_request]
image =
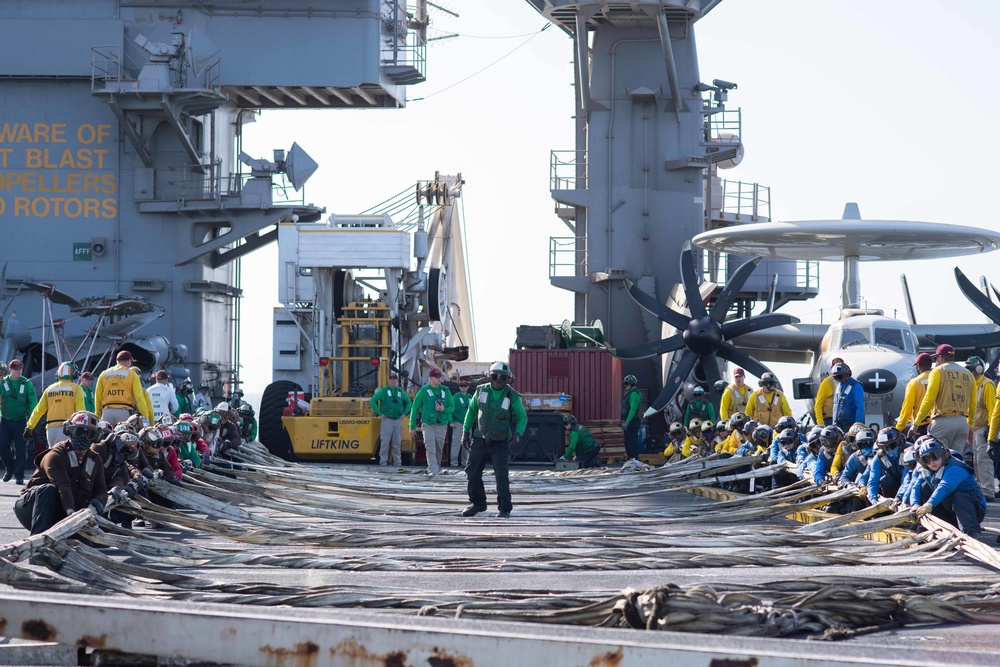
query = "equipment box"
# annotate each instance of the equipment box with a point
(567, 465)
(543, 441)
(544, 337)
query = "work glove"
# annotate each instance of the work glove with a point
(158, 474)
(117, 493)
(515, 439)
(28, 435)
(130, 489)
(894, 505)
(148, 473)
(467, 440)
(994, 445)
(97, 505)
(562, 458)
(923, 510)
(139, 483)
(625, 425)
(186, 465)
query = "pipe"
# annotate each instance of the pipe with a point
(668, 59)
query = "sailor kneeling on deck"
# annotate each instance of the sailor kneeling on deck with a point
(582, 445)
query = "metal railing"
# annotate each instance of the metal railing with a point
(187, 185)
(723, 125)
(750, 199)
(568, 170)
(402, 47)
(567, 256)
(792, 274)
(110, 71)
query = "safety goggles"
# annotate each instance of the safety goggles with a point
(498, 377)
(929, 457)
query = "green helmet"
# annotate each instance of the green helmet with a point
(768, 378)
(500, 368)
(720, 386)
(569, 420)
(630, 379)
(976, 365)
(65, 371)
(3, 368)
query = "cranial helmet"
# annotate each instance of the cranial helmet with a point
(890, 438)
(500, 368)
(762, 435)
(865, 438)
(677, 430)
(737, 421)
(83, 422)
(784, 422)
(630, 379)
(720, 386)
(569, 420)
(694, 425)
(749, 427)
(768, 378)
(788, 438)
(65, 371)
(698, 392)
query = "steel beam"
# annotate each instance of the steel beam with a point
(232, 634)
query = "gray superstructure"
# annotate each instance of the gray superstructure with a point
(650, 139)
(120, 165)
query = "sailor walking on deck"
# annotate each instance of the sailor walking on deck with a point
(631, 417)
(977, 453)
(950, 400)
(433, 405)
(735, 396)
(119, 392)
(848, 398)
(162, 398)
(391, 403)
(59, 402)
(17, 401)
(496, 420)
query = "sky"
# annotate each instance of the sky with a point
(889, 104)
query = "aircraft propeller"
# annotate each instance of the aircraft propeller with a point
(703, 334)
(986, 306)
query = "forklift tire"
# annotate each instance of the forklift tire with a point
(270, 431)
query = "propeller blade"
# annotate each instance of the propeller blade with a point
(54, 295)
(653, 349)
(907, 301)
(772, 293)
(978, 299)
(732, 289)
(742, 359)
(983, 340)
(647, 302)
(690, 281)
(747, 325)
(710, 364)
(673, 384)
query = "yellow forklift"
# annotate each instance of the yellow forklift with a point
(340, 424)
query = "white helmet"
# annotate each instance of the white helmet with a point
(222, 407)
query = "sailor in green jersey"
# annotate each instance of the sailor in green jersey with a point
(581, 444)
(630, 417)
(496, 420)
(184, 398)
(391, 403)
(459, 457)
(17, 400)
(433, 405)
(87, 384)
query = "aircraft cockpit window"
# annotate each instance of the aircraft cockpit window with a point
(854, 337)
(891, 337)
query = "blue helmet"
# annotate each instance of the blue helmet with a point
(788, 437)
(865, 439)
(890, 438)
(762, 435)
(784, 422)
(930, 448)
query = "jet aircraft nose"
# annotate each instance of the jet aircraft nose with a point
(877, 381)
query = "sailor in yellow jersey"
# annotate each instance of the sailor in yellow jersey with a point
(824, 396)
(914, 396)
(986, 394)
(735, 437)
(119, 392)
(735, 396)
(768, 404)
(58, 402)
(950, 400)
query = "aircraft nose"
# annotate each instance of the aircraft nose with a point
(877, 381)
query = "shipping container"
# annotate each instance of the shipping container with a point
(592, 377)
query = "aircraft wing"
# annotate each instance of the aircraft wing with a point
(789, 343)
(932, 335)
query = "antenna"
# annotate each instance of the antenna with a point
(299, 166)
